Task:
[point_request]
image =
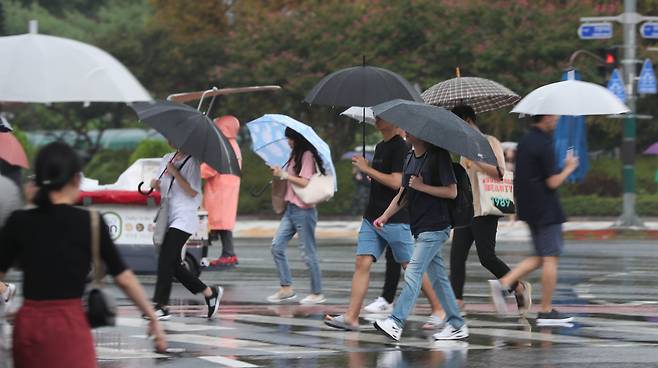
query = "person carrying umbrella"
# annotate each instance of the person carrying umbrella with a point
(181, 184)
(536, 181)
(299, 217)
(394, 238)
(482, 231)
(428, 183)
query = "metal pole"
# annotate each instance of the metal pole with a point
(629, 217)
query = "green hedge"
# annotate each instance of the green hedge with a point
(592, 205)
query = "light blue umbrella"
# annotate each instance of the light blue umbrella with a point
(269, 142)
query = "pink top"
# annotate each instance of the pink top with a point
(308, 169)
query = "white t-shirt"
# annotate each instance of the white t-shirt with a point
(182, 208)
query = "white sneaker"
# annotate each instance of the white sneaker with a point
(313, 299)
(389, 328)
(204, 262)
(280, 296)
(9, 293)
(451, 333)
(498, 294)
(380, 305)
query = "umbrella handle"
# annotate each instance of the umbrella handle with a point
(139, 189)
(259, 192)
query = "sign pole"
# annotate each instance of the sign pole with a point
(629, 217)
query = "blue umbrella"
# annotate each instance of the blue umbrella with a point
(571, 132)
(269, 142)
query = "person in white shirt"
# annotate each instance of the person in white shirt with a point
(181, 185)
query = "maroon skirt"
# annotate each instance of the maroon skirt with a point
(53, 333)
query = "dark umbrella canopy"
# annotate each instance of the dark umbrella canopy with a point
(437, 126)
(361, 86)
(190, 131)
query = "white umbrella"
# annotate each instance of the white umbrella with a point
(356, 113)
(44, 69)
(571, 97)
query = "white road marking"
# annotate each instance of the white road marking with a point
(227, 362)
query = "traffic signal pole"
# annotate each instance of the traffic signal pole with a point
(629, 19)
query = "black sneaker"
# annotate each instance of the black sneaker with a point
(553, 317)
(213, 301)
(161, 313)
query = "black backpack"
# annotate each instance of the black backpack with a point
(461, 208)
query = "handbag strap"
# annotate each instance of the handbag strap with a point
(171, 183)
(97, 264)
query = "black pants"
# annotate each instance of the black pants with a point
(170, 265)
(392, 277)
(483, 232)
(227, 242)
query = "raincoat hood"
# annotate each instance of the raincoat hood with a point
(229, 126)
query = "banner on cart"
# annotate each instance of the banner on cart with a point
(134, 225)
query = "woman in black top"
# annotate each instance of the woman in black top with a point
(52, 245)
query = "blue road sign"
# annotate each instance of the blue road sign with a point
(647, 82)
(595, 31)
(649, 30)
(616, 85)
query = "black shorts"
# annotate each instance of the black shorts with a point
(547, 239)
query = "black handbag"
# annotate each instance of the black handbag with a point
(100, 306)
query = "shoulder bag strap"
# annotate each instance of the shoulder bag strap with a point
(97, 264)
(179, 169)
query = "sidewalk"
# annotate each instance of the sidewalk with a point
(507, 231)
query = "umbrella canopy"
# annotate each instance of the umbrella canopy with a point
(481, 94)
(270, 143)
(361, 86)
(652, 150)
(190, 131)
(44, 69)
(571, 97)
(12, 151)
(4, 125)
(439, 127)
(356, 113)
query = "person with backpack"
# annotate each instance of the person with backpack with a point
(536, 181)
(395, 238)
(428, 185)
(181, 183)
(299, 217)
(483, 229)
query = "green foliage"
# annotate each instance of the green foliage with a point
(592, 206)
(149, 149)
(107, 165)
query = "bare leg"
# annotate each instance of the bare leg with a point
(548, 281)
(521, 270)
(360, 282)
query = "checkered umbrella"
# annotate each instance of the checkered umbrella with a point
(481, 94)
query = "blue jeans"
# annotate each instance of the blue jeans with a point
(297, 221)
(427, 258)
(373, 241)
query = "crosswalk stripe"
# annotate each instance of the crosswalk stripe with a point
(170, 325)
(227, 361)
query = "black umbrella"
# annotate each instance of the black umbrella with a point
(190, 131)
(437, 126)
(361, 86)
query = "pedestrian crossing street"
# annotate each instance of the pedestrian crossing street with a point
(254, 336)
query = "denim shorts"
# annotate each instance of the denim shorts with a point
(373, 241)
(547, 239)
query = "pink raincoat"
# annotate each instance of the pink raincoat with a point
(220, 191)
